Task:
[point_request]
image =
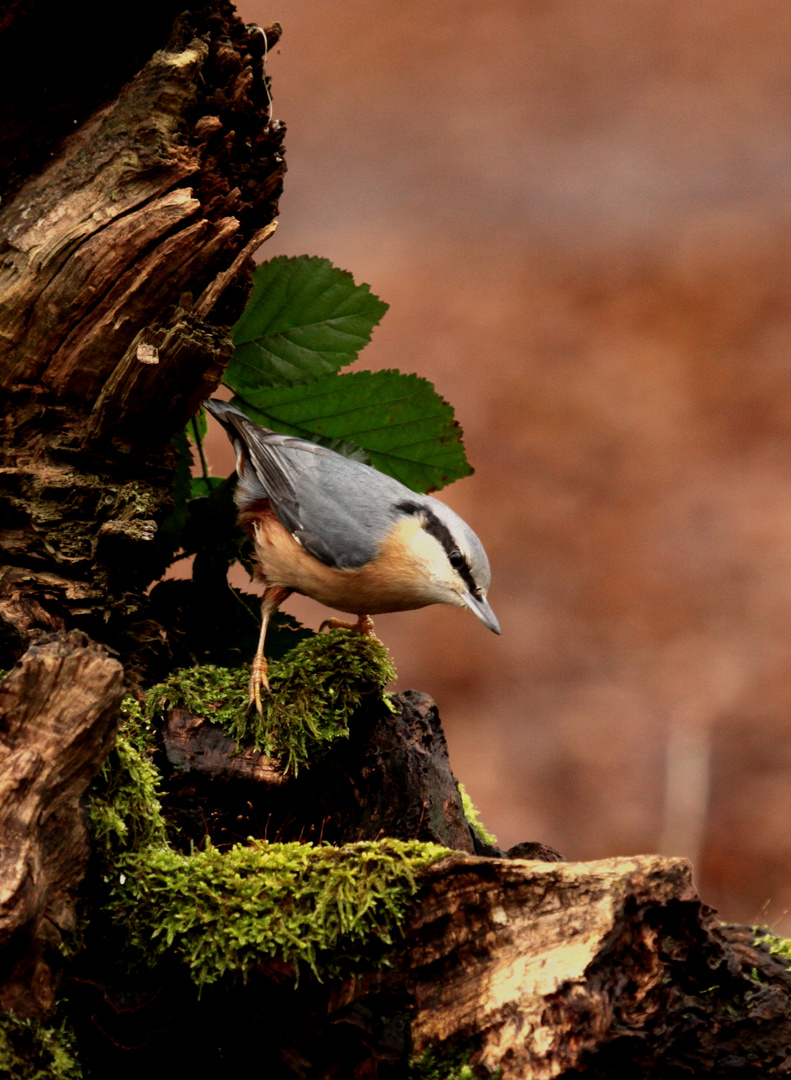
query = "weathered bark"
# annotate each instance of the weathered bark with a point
(122, 264)
(58, 712)
(607, 969)
(153, 197)
(59, 65)
(392, 777)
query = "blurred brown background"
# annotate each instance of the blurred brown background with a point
(579, 213)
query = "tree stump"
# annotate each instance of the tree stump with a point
(392, 777)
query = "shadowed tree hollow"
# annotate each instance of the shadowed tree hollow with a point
(177, 890)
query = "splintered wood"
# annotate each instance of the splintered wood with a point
(519, 947)
(58, 711)
(543, 970)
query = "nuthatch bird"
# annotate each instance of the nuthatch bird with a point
(346, 535)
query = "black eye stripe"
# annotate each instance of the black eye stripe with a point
(440, 531)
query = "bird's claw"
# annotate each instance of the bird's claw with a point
(258, 678)
(364, 626)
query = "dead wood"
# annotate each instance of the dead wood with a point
(540, 969)
(611, 969)
(392, 777)
(123, 263)
(58, 711)
(604, 969)
(59, 65)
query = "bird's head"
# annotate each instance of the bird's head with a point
(453, 563)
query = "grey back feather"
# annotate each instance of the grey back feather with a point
(339, 509)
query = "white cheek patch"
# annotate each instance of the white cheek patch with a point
(432, 560)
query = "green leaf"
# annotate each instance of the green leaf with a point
(400, 421)
(201, 486)
(305, 319)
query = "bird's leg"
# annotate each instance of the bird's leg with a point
(273, 597)
(364, 626)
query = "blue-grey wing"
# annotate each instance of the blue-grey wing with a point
(338, 509)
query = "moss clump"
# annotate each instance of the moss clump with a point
(217, 693)
(473, 820)
(37, 1050)
(323, 908)
(124, 812)
(320, 908)
(777, 946)
(436, 1064)
(315, 689)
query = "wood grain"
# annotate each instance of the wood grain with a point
(58, 712)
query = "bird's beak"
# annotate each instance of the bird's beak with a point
(483, 611)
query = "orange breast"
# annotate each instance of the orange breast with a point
(393, 581)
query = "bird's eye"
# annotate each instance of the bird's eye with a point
(456, 559)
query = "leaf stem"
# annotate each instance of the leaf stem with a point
(199, 443)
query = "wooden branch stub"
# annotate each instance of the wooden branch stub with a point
(193, 745)
(605, 969)
(58, 711)
(391, 777)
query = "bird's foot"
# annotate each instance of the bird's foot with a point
(259, 677)
(364, 626)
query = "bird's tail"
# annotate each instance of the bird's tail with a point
(231, 418)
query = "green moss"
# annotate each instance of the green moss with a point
(471, 814)
(322, 908)
(217, 693)
(315, 689)
(437, 1064)
(777, 946)
(37, 1050)
(123, 807)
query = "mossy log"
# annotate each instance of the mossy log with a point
(507, 968)
(534, 968)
